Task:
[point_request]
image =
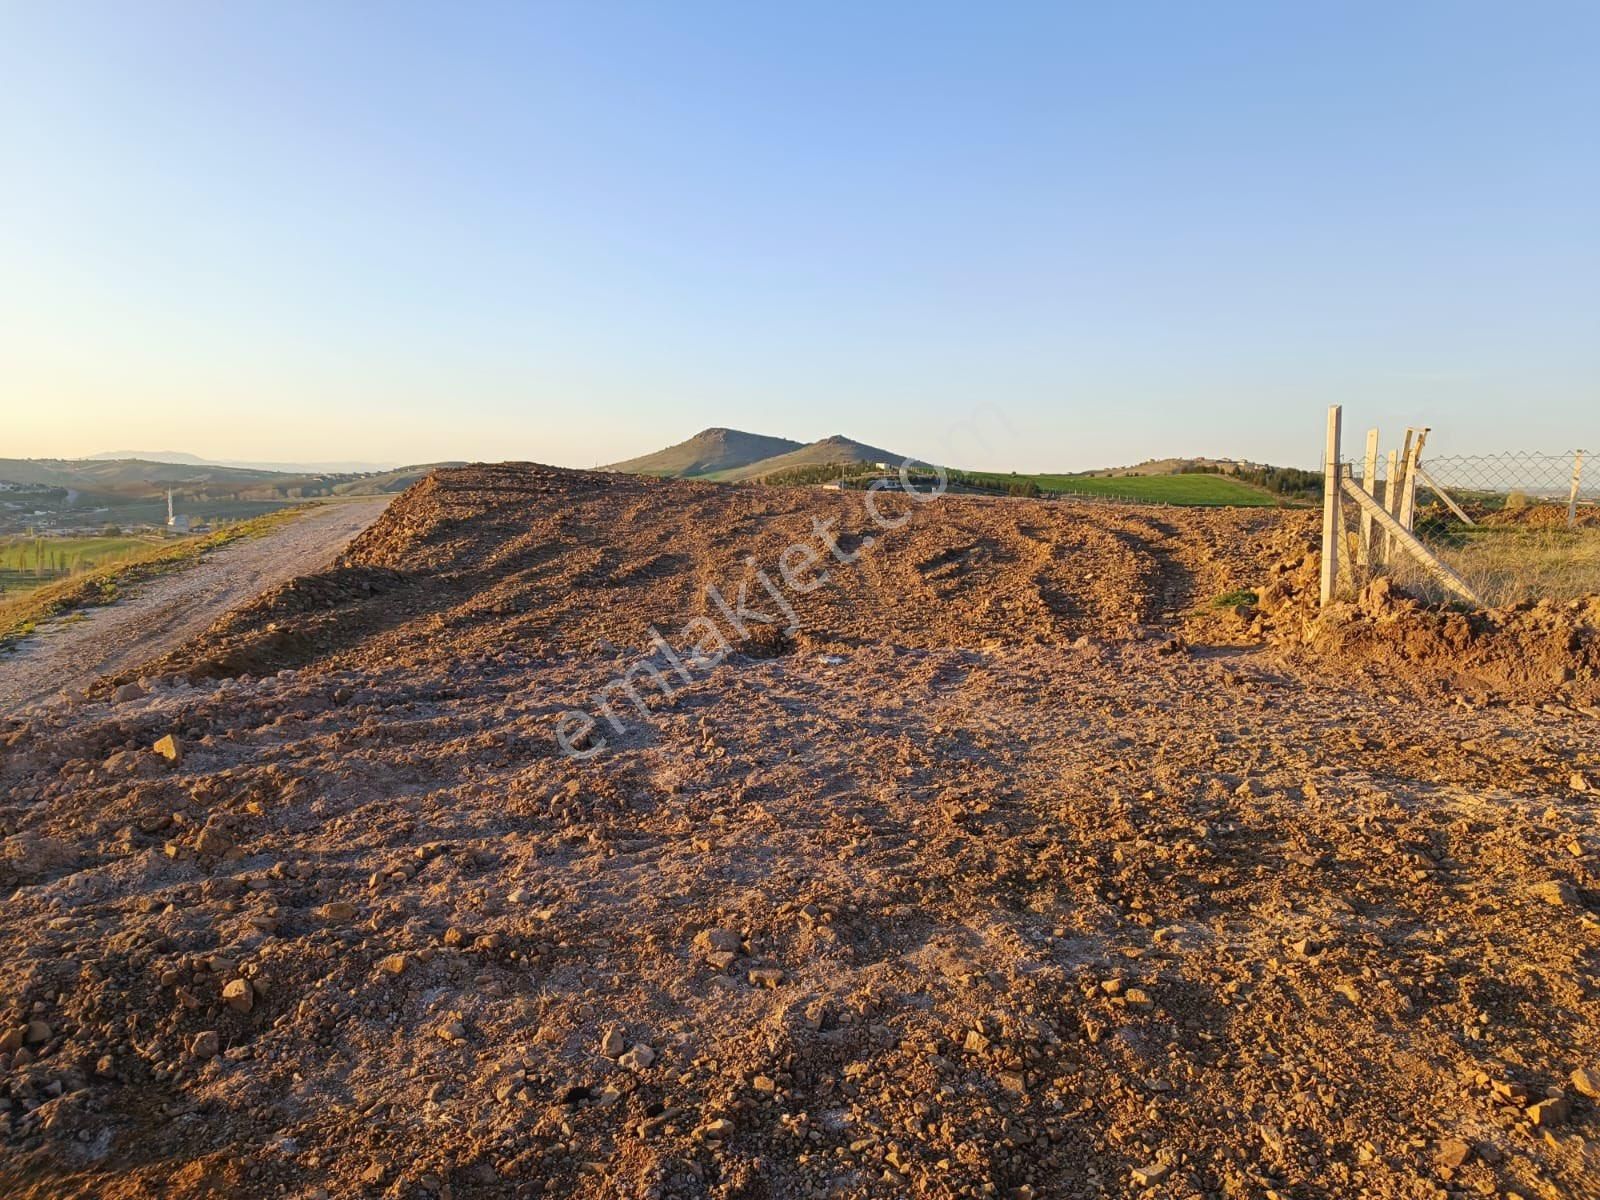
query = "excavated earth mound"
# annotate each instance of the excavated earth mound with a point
(1538, 651)
(1017, 868)
(552, 562)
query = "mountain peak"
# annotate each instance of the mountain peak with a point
(708, 452)
(732, 454)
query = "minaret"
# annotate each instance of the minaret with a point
(169, 506)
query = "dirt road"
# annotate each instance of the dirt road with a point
(164, 612)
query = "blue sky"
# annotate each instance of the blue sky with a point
(1004, 236)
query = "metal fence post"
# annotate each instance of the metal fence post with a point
(1330, 507)
(1572, 496)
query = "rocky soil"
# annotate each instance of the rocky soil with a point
(1019, 869)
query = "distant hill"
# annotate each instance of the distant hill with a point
(160, 456)
(1285, 484)
(1181, 466)
(827, 451)
(286, 468)
(124, 472)
(729, 456)
(397, 480)
(708, 452)
(65, 495)
(139, 476)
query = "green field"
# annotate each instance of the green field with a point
(105, 567)
(33, 562)
(1194, 490)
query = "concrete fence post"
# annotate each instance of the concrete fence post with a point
(1331, 533)
(1408, 488)
(1391, 500)
(1369, 481)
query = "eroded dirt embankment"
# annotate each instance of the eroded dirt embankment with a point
(550, 561)
(1545, 651)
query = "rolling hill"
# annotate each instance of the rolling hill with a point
(829, 450)
(1182, 466)
(729, 456)
(732, 456)
(63, 495)
(384, 482)
(161, 456)
(91, 474)
(183, 458)
(708, 453)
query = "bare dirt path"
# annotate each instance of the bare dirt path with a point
(164, 612)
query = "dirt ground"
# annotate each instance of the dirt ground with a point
(165, 612)
(1039, 860)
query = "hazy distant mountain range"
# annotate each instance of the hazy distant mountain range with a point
(729, 455)
(133, 474)
(64, 494)
(181, 458)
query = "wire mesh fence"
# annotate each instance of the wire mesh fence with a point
(1513, 527)
(1545, 488)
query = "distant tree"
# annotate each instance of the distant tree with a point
(814, 473)
(1280, 481)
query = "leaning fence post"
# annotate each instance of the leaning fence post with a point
(1330, 507)
(1572, 496)
(1406, 540)
(1445, 497)
(1369, 481)
(1397, 482)
(1408, 492)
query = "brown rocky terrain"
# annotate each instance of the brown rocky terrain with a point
(1018, 868)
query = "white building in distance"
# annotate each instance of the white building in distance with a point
(175, 522)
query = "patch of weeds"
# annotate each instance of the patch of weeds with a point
(1235, 598)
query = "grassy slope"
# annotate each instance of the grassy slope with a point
(1164, 489)
(397, 480)
(708, 454)
(829, 450)
(19, 614)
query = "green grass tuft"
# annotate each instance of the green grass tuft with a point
(1234, 598)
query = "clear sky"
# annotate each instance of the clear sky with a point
(1006, 236)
